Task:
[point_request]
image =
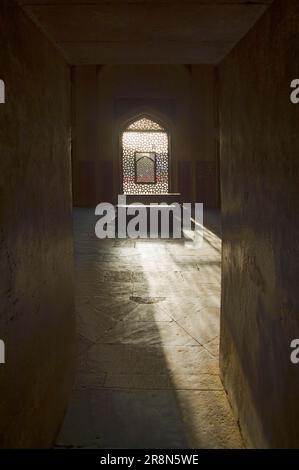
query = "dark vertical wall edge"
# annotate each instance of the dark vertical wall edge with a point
(36, 252)
(260, 206)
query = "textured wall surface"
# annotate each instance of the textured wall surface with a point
(259, 181)
(155, 32)
(36, 306)
(183, 97)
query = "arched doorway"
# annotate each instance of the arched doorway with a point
(145, 157)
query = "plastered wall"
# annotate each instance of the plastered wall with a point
(260, 206)
(36, 290)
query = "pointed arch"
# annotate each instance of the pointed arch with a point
(145, 113)
(145, 123)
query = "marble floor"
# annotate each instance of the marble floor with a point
(147, 349)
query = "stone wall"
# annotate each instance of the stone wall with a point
(36, 306)
(260, 204)
(183, 97)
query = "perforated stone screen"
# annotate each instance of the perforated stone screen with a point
(148, 175)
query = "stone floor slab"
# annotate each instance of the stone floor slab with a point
(148, 345)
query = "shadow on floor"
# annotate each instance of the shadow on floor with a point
(148, 330)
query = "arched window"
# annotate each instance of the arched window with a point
(145, 158)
